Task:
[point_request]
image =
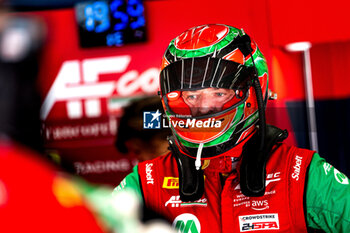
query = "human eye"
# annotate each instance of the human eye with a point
(191, 97)
(220, 94)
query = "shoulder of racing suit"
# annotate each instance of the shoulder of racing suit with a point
(327, 197)
(132, 180)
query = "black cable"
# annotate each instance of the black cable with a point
(261, 106)
(244, 44)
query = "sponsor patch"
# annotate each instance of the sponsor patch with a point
(254, 204)
(260, 205)
(340, 177)
(327, 167)
(186, 223)
(175, 201)
(244, 203)
(149, 171)
(258, 222)
(171, 183)
(272, 177)
(296, 167)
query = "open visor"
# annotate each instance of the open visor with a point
(199, 73)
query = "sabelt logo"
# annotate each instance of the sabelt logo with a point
(259, 222)
(77, 83)
(171, 183)
(149, 171)
(297, 166)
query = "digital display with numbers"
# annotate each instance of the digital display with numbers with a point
(110, 23)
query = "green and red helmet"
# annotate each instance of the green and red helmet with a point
(212, 56)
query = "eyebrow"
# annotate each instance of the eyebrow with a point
(186, 92)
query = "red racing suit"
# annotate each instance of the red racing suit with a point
(36, 197)
(287, 206)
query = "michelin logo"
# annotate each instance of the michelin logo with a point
(151, 120)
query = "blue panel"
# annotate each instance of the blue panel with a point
(333, 130)
(298, 118)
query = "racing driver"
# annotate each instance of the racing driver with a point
(228, 171)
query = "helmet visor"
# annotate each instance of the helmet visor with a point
(203, 72)
(184, 80)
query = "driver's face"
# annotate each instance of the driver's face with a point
(207, 101)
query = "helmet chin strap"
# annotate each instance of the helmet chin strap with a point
(198, 163)
(191, 179)
(253, 166)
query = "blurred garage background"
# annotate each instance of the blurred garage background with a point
(98, 55)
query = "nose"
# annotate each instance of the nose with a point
(207, 105)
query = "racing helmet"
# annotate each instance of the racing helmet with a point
(219, 58)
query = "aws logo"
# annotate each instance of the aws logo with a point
(260, 205)
(187, 223)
